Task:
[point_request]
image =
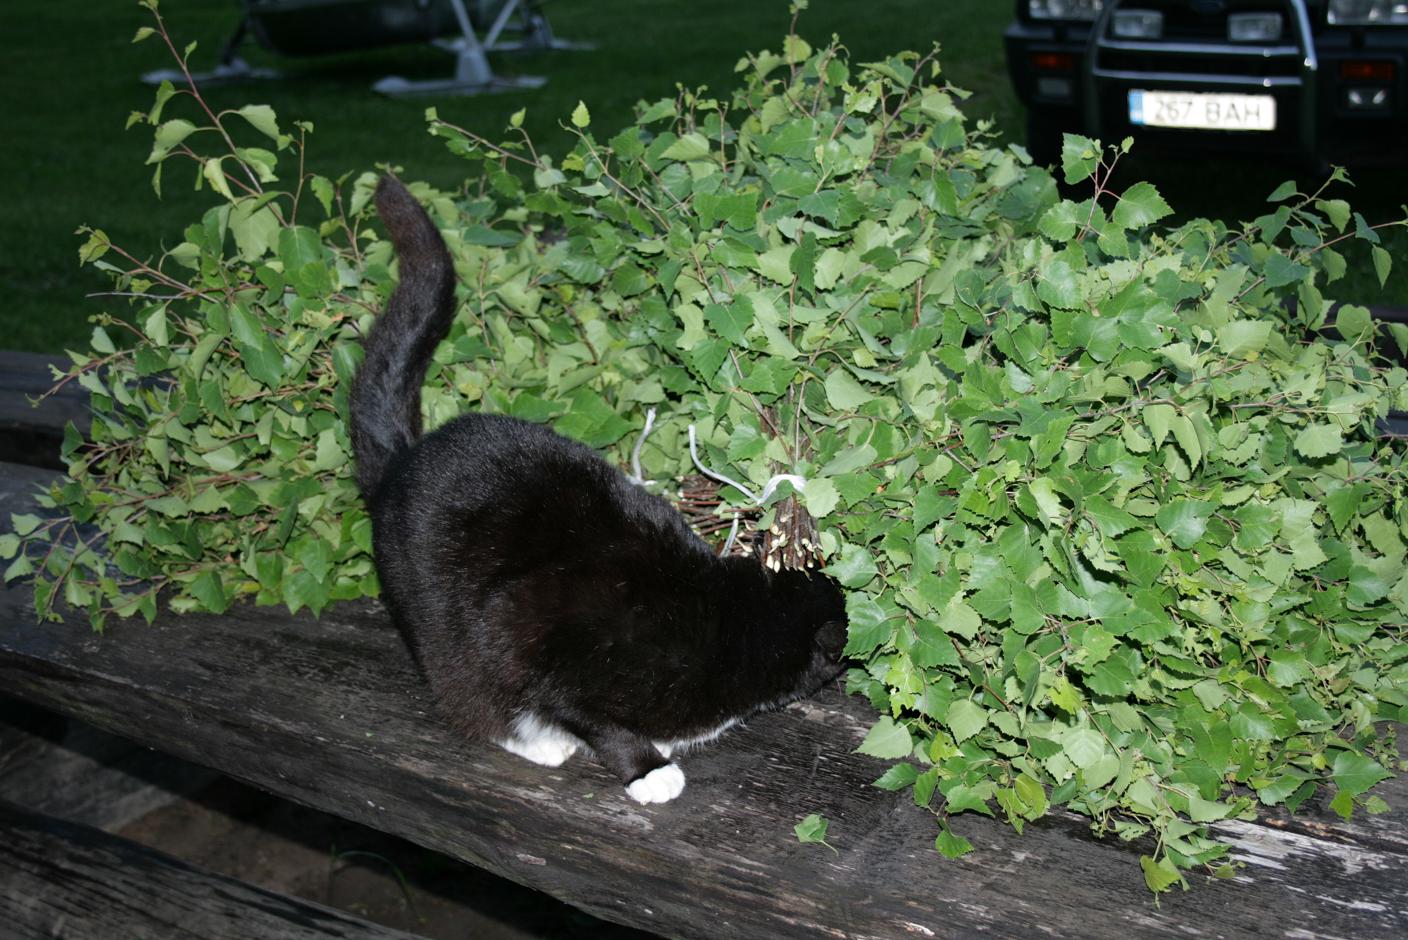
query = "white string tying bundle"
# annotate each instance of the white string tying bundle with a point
(637, 477)
(768, 488)
(798, 483)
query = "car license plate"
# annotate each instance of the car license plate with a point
(1202, 111)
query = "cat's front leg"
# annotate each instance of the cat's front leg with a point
(660, 785)
(648, 776)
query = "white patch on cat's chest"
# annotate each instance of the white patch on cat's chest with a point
(668, 748)
(539, 741)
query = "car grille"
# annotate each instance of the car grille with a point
(1204, 22)
(1195, 40)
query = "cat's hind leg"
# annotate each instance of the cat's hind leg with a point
(649, 777)
(539, 741)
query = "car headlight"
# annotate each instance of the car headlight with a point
(1368, 13)
(1254, 27)
(1138, 24)
(1063, 9)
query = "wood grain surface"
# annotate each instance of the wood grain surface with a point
(77, 773)
(62, 879)
(330, 712)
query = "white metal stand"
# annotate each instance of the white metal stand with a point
(521, 19)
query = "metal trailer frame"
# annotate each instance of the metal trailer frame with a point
(523, 21)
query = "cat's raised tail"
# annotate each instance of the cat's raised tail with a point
(385, 403)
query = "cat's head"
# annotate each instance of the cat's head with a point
(814, 609)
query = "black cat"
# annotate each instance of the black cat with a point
(549, 601)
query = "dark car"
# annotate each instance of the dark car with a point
(1316, 81)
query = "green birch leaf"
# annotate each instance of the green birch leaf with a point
(1161, 875)
(1060, 287)
(1140, 205)
(844, 392)
(209, 590)
(961, 619)
(1079, 157)
(1244, 338)
(1062, 220)
(854, 568)
(730, 322)
(868, 625)
(1185, 521)
(811, 829)
(1337, 210)
(932, 646)
(1134, 441)
(1159, 420)
(1364, 231)
(1319, 440)
(950, 844)
(101, 342)
(897, 777)
(1187, 438)
(1343, 503)
(1353, 322)
(214, 172)
(261, 117)
(886, 739)
(929, 507)
(1084, 747)
(1280, 270)
(1355, 773)
(630, 280)
(1048, 503)
(965, 718)
(692, 146)
(1383, 263)
(1108, 518)
(820, 497)
(924, 786)
(19, 568)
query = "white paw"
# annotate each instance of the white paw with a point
(540, 742)
(666, 748)
(659, 786)
(547, 753)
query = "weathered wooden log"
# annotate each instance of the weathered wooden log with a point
(330, 712)
(61, 879)
(77, 773)
(28, 433)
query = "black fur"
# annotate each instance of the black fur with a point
(529, 576)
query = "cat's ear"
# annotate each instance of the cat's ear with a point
(831, 638)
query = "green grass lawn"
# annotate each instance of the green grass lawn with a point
(72, 80)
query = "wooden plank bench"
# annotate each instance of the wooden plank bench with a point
(31, 434)
(77, 773)
(329, 712)
(62, 879)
